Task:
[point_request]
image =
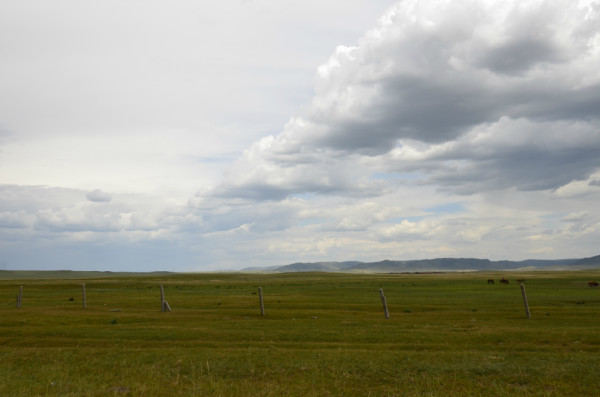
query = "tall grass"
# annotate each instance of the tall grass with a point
(323, 334)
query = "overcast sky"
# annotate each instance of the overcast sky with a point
(191, 136)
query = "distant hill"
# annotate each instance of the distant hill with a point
(437, 264)
(317, 267)
(384, 266)
(588, 263)
(67, 274)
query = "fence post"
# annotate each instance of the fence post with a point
(83, 292)
(164, 305)
(385, 308)
(19, 297)
(262, 305)
(527, 313)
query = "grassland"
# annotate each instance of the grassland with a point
(322, 335)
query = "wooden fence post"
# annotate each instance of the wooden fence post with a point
(385, 308)
(83, 293)
(19, 297)
(527, 313)
(164, 305)
(262, 305)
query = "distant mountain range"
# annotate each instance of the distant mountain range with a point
(431, 265)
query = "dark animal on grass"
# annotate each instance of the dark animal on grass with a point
(503, 280)
(593, 284)
(521, 281)
(490, 281)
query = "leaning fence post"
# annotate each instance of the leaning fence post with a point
(262, 305)
(83, 293)
(525, 301)
(385, 308)
(164, 305)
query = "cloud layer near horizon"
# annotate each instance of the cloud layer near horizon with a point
(453, 128)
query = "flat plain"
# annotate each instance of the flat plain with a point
(322, 334)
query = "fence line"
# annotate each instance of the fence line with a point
(165, 307)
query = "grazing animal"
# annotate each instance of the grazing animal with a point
(490, 281)
(504, 281)
(593, 284)
(521, 281)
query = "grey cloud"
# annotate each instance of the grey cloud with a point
(511, 154)
(577, 103)
(98, 196)
(523, 170)
(434, 111)
(519, 55)
(414, 108)
(257, 191)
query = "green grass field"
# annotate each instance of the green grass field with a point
(322, 335)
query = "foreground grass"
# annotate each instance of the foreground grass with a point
(323, 334)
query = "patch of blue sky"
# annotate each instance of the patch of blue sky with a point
(450, 208)
(412, 176)
(307, 196)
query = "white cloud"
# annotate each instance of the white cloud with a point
(98, 195)
(16, 219)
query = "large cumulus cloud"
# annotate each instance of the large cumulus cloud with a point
(470, 94)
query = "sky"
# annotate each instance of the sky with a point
(206, 136)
